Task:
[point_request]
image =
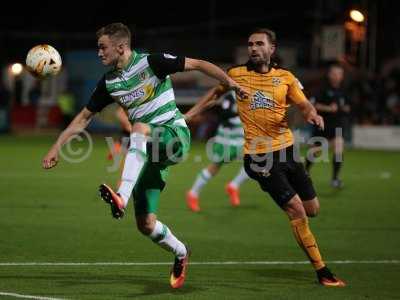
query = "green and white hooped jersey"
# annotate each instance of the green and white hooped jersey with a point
(143, 88)
(232, 136)
(230, 131)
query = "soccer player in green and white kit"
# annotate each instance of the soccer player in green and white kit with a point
(227, 147)
(159, 138)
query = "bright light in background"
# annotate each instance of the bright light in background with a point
(16, 69)
(356, 16)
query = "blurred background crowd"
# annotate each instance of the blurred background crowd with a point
(360, 35)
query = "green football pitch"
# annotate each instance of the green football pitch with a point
(59, 241)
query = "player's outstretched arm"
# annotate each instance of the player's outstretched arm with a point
(215, 72)
(310, 114)
(205, 102)
(79, 123)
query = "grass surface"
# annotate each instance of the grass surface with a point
(56, 216)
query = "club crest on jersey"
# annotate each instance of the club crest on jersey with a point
(276, 81)
(261, 101)
(143, 76)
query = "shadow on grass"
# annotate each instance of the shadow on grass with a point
(244, 206)
(113, 286)
(329, 193)
(280, 275)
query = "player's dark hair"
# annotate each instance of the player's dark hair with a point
(115, 30)
(271, 35)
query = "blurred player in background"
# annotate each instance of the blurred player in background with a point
(269, 157)
(227, 147)
(333, 105)
(159, 137)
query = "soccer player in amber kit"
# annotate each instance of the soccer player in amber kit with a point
(268, 150)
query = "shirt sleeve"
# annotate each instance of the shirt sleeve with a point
(164, 64)
(295, 92)
(100, 97)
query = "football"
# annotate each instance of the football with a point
(43, 61)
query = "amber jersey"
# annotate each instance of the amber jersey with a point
(264, 112)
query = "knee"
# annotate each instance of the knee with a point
(312, 210)
(338, 151)
(213, 169)
(146, 226)
(338, 145)
(294, 208)
(141, 128)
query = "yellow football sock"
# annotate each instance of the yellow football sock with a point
(307, 242)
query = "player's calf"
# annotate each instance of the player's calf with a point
(162, 236)
(145, 224)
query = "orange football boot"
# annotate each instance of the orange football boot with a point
(192, 201)
(233, 193)
(112, 198)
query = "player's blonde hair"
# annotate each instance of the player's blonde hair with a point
(117, 31)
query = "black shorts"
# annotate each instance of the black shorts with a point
(281, 177)
(329, 132)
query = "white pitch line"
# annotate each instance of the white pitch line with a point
(28, 296)
(340, 262)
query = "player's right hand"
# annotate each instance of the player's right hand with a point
(318, 121)
(50, 160)
(240, 92)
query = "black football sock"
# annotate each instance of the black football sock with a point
(337, 164)
(308, 164)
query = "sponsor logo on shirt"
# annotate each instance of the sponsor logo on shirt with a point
(132, 96)
(261, 101)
